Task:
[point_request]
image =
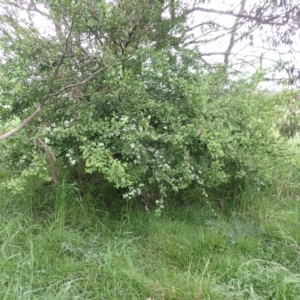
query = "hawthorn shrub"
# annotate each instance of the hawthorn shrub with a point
(148, 118)
(157, 132)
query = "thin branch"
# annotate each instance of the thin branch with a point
(67, 87)
(211, 23)
(62, 57)
(268, 21)
(233, 33)
(215, 38)
(23, 124)
(215, 53)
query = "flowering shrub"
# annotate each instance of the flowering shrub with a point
(149, 118)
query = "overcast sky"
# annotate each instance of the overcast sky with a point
(242, 49)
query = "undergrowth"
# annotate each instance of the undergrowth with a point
(55, 244)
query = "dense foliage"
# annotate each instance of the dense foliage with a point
(109, 92)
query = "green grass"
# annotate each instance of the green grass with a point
(59, 247)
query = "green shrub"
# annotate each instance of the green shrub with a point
(150, 120)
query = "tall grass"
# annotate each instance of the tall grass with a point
(56, 245)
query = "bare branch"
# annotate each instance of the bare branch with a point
(209, 23)
(233, 33)
(269, 21)
(216, 53)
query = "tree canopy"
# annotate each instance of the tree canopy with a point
(124, 90)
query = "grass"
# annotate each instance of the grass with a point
(58, 248)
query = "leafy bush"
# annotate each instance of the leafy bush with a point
(150, 119)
